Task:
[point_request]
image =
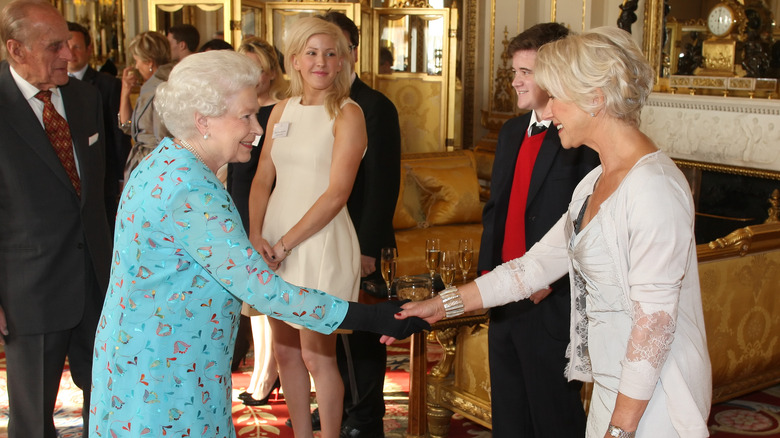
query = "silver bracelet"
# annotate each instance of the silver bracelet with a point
(618, 432)
(453, 302)
(125, 125)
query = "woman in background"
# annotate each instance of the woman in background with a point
(637, 326)
(265, 376)
(298, 212)
(151, 52)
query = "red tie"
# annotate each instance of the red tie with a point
(59, 134)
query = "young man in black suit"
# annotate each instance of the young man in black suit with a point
(54, 240)
(117, 142)
(371, 206)
(532, 182)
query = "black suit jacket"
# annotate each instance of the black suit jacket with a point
(372, 202)
(118, 144)
(51, 240)
(556, 173)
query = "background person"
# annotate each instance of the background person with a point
(298, 201)
(265, 376)
(55, 238)
(637, 328)
(182, 265)
(152, 55)
(118, 144)
(531, 185)
(386, 61)
(371, 206)
(184, 40)
(215, 44)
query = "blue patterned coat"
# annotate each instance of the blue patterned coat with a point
(181, 266)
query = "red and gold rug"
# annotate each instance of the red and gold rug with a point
(753, 415)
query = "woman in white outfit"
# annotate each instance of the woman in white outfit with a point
(637, 328)
(298, 213)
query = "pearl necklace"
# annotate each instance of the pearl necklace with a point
(191, 149)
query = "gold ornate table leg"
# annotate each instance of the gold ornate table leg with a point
(417, 387)
(438, 416)
(439, 420)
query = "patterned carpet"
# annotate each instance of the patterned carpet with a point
(754, 415)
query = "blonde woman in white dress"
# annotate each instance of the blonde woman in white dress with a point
(298, 213)
(637, 326)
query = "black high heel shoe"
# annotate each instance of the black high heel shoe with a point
(251, 401)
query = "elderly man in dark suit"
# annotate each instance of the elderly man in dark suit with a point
(371, 206)
(532, 182)
(117, 142)
(54, 237)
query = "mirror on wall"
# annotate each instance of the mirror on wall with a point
(707, 45)
(414, 62)
(104, 21)
(280, 16)
(211, 17)
(412, 43)
(252, 19)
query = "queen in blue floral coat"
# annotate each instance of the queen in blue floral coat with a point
(182, 264)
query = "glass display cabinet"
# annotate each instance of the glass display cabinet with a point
(413, 57)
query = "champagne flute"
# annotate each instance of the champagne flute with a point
(448, 266)
(388, 262)
(432, 256)
(465, 256)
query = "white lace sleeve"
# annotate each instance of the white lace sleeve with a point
(660, 216)
(517, 279)
(648, 347)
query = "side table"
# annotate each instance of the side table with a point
(424, 408)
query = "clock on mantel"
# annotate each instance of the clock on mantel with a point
(722, 52)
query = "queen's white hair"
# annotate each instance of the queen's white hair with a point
(202, 83)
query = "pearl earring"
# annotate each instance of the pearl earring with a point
(205, 136)
(150, 69)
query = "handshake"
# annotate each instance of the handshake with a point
(380, 318)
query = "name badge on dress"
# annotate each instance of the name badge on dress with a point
(280, 129)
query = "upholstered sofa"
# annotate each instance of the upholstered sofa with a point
(439, 197)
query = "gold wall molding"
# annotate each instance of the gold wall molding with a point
(504, 96)
(468, 64)
(651, 35)
(734, 170)
(722, 131)
(492, 64)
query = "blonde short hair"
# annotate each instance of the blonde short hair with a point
(202, 83)
(603, 61)
(151, 46)
(298, 36)
(268, 60)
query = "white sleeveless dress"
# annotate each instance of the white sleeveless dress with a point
(329, 260)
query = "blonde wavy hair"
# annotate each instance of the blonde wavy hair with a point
(604, 61)
(298, 36)
(151, 46)
(268, 60)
